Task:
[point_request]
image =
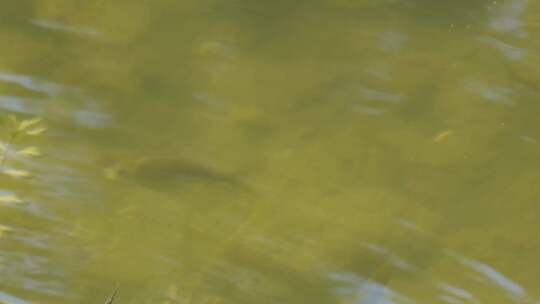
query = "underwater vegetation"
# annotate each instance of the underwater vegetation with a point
(11, 153)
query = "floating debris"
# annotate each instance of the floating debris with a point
(442, 136)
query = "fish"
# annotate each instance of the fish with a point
(170, 173)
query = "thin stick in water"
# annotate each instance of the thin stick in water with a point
(110, 299)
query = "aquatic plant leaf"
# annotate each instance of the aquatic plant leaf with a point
(10, 199)
(29, 151)
(16, 173)
(36, 131)
(4, 229)
(25, 124)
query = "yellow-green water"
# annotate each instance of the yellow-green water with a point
(325, 151)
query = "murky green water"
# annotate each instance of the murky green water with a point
(328, 151)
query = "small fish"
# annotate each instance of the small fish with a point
(170, 173)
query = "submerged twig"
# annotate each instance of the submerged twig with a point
(110, 299)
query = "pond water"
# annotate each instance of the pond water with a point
(324, 151)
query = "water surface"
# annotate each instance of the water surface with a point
(329, 151)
